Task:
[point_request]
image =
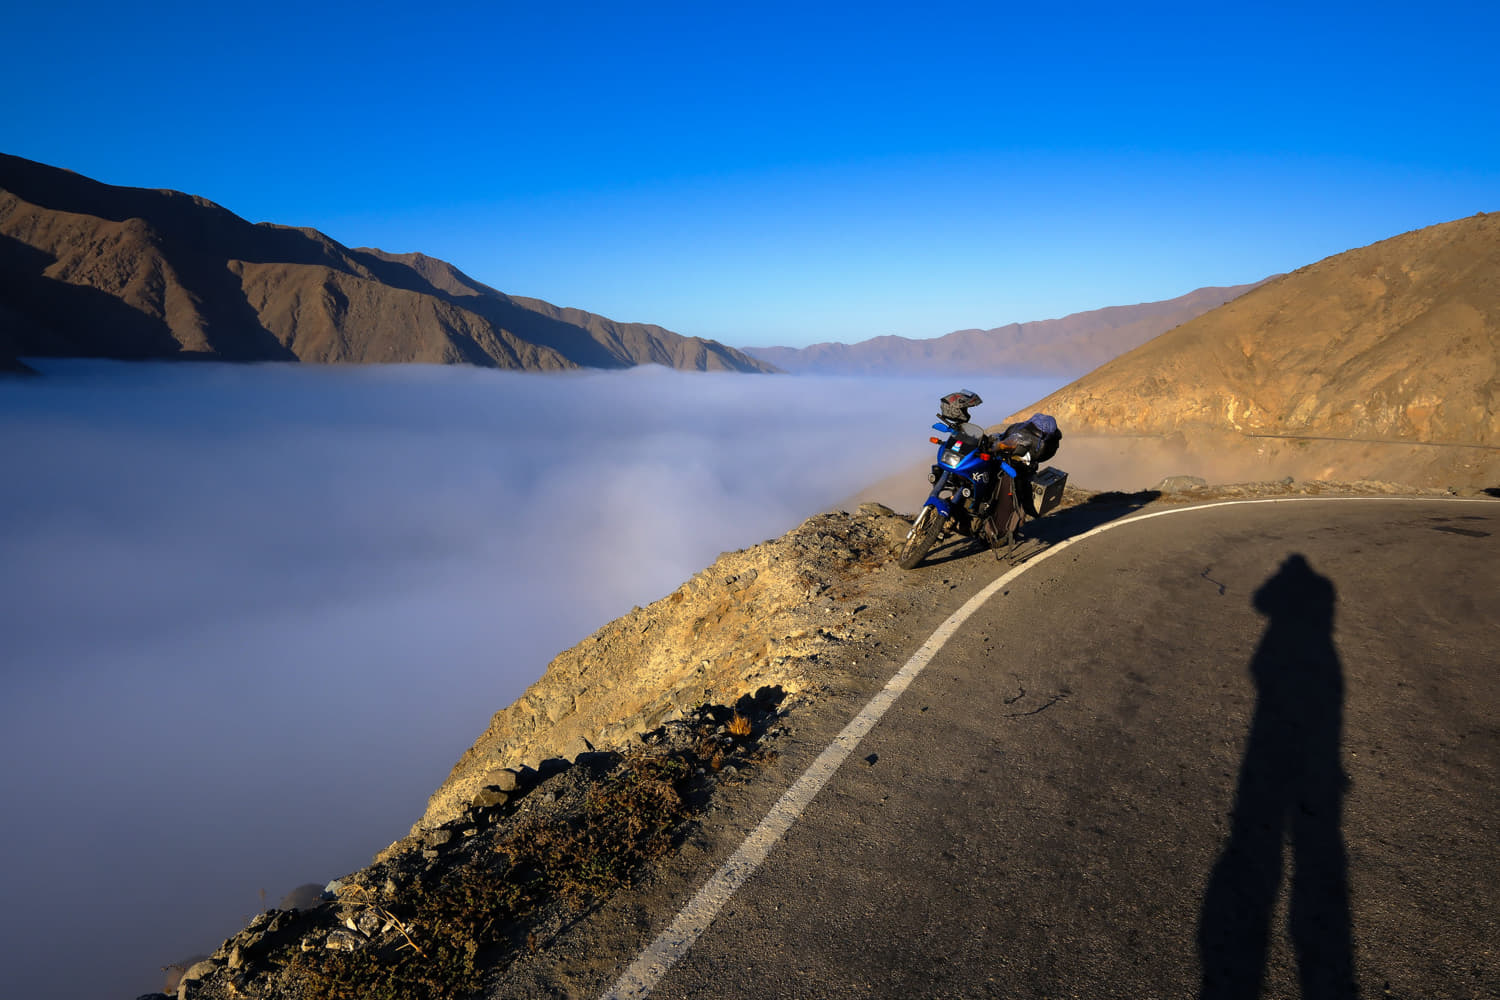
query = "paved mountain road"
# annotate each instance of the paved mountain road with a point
(1162, 745)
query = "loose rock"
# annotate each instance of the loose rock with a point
(504, 778)
(488, 798)
(343, 939)
(1180, 484)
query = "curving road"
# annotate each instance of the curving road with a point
(1236, 751)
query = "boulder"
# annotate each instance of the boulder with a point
(1180, 484)
(190, 978)
(488, 798)
(504, 778)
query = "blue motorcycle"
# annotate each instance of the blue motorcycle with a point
(977, 480)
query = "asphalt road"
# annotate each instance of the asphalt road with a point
(1215, 754)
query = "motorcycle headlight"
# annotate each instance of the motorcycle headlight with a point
(950, 459)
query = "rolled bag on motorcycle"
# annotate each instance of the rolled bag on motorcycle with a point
(1027, 444)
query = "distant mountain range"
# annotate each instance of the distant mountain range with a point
(1067, 346)
(1382, 362)
(92, 270)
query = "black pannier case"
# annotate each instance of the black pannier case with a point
(1047, 488)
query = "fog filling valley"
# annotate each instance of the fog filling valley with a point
(251, 615)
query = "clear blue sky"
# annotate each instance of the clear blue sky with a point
(783, 173)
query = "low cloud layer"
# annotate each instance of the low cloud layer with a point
(251, 615)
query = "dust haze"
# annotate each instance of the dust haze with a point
(252, 614)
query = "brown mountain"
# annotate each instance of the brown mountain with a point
(1379, 363)
(1072, 344)
(94, 270)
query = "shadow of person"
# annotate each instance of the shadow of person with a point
(1291, 789)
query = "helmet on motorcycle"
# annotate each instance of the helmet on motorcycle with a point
(954, 407)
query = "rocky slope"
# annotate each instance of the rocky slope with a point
(93, 270)
(436, 914)
(599, 768)
(1382, 363)
(754, 619)
(1075, 343)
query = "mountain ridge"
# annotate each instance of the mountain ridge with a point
(1070, 344)
(95, 270)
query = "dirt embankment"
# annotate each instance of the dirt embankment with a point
(1381, 362)
(1130, 461)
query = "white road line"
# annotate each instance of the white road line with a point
(660, 955)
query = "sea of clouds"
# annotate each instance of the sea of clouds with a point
(251, 615)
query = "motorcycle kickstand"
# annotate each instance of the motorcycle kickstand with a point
(1010, 546)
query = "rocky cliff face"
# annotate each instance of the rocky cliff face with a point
(92, 270)
(1382, 362)
(755, 619)
(1069, 345)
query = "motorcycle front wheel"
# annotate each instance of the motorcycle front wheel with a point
(923, 534)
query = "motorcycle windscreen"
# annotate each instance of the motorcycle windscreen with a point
(958, 449)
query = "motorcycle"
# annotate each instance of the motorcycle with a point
(974, 485)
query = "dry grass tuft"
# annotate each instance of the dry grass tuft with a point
(447, 921)
(626, 817)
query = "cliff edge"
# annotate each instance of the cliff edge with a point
(757, 618)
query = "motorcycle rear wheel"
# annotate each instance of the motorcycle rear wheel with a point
(923, 534)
